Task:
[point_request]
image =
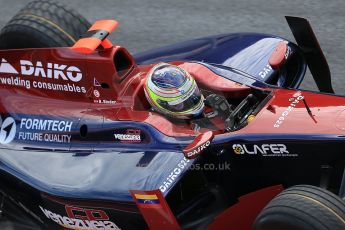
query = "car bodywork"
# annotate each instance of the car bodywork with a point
(80, 148)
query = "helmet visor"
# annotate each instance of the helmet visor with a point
(185, 105)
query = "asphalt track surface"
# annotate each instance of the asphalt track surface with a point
(146, 24)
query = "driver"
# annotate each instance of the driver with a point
(172, 91)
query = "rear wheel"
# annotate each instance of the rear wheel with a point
(43, 24)
(303, 207)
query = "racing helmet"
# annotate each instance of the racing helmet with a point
(172, 91)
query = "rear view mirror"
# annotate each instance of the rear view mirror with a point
(279, 55)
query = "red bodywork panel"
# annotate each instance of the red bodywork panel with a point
(287, 113)
(158, 215)
(242, 215)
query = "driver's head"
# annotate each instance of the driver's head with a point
(172, 91)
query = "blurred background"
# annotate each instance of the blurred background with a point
(146, 24)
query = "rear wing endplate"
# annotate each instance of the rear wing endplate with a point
(307, 41)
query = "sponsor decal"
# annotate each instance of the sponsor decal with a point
(5, 67)
(130, 136)
(180, 168)
(40, 72)
(238, 149)
(293, 102)
(50, 70)
(8, 129)
(46, 125)
(198, 150)
(269, 150)
(46, 137)
(81, 218)
(29, 130)
(198, 145)
(266, 70)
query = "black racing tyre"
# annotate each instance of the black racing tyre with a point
(43, 24)
(303, 207)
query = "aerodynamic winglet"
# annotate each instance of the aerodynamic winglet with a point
(307, 41)
(96, 36)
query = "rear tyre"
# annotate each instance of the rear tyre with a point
(43, 24)
(303, 207)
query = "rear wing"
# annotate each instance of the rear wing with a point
(96, 36)
(307, 41)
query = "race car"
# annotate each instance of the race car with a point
(81, 147)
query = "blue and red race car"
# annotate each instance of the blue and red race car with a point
(80, 147)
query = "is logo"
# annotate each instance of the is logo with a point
(8, 130)
(198, 145)
(129, 136)
(96, 82)
(96, 93)
(238, 149)
(81, 218)
(174, 174)
(266, 150)
(48, 70)
(5, 67)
